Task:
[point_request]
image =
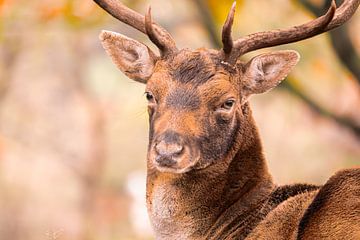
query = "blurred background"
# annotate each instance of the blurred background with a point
(73, 128)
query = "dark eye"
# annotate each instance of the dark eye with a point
(228, 104)
(149, 97)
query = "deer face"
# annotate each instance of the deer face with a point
(193, 102)
(195, 99)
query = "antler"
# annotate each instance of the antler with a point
(226, 31)
(158, 35)
(332, 19)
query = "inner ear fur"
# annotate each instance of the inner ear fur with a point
(133, 58)
(266, 71)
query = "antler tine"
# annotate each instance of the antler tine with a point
(158, 40)
(159, 36)
(226, 31)
(332, 19)
(343, 13)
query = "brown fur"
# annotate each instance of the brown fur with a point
(207, 177)
(335, 211)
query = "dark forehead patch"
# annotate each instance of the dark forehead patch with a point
(192, 67)
(184, 99)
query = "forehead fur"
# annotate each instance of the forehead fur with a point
(194, 67)
(191, 68)
(190, 78)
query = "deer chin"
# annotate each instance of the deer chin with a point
(173, 169)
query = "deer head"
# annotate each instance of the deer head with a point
(197, 99)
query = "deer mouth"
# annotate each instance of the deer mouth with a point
(181, 164)
(173, 169)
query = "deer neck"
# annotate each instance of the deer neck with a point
(205, 202)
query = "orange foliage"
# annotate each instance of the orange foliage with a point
(71, 10)
(4, 4)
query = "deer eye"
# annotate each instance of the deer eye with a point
(149, 97)
(228, 104)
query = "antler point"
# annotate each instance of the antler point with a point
(333, 4)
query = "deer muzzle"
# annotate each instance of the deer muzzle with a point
(171, 153)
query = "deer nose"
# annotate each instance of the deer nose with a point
(168, 149)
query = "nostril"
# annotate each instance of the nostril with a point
(168, 149)
(164, 161)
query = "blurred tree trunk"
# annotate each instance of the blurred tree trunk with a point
(90, 175)
(16, 37)
(8, 57)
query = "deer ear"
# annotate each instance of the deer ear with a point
(266, 71)
(133, 58)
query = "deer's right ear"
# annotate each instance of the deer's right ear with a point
(266, 71)
(133, 58)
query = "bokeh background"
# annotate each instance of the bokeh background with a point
(73, 129)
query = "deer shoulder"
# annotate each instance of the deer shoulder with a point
(328, 212)
(335, 211)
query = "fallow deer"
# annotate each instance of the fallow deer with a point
(207, 177)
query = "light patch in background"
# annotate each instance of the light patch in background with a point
(136, 187)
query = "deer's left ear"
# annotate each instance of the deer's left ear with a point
(266, 71)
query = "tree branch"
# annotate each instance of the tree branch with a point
(342, 121)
